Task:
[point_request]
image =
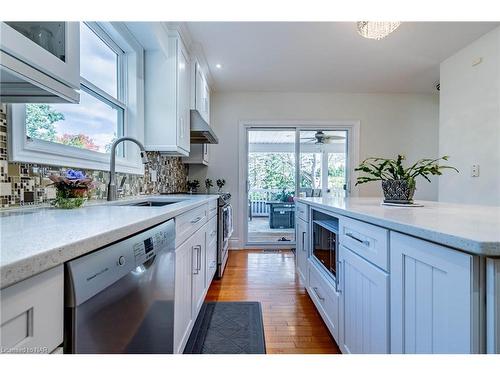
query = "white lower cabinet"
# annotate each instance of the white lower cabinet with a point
(183, 321)
(32, 314)
(493, 305)
(364, 305)
(431, 298)
(302, 248)
(325, 297)
(198, 251)
(195, 265)
(211, 262)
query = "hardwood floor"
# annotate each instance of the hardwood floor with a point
(291, 322)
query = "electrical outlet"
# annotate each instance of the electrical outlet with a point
(153, 175)
(474, 170)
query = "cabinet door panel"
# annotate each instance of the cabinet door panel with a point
(364, 306)
(183, 100)
(430, 297)
(198, 250)
(183, 298)
(302, 248)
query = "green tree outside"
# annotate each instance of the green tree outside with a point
(40, 119)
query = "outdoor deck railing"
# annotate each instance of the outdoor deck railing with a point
(259, 206)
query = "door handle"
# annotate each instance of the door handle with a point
(303, 241)
(199, 257)
(321, 298)
(364, 242)
(194, 221)
(339, 266)
(195, 271)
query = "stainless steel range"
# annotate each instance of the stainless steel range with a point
(224, 230)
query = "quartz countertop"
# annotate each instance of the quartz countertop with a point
(471, 228)
(35, 240)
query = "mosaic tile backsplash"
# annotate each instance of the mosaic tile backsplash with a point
(28, 185)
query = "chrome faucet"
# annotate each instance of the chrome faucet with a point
(112, 190)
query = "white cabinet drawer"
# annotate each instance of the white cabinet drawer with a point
(367, 240)
(325, 297)
(32, 313)
(212, 230)
(302, 211)
(188, 223)
(212, 208)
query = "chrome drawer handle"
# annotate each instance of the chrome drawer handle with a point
(317, 294)
(194, 221)
(364, 242)
(339, 265)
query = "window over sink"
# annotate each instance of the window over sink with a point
(81, 135)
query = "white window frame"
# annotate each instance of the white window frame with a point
(131, 98)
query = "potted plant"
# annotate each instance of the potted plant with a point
(398, 182)
(193, 186)
(208, 184)
(220, 184)
(73, 189)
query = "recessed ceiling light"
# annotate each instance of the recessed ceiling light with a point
(218, 66)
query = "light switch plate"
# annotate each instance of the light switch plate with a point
(474, 170)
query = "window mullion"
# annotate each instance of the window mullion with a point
(93, 90)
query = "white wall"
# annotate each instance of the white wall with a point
(469, 129)
(390, 124)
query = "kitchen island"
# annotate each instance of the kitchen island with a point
(403, 279)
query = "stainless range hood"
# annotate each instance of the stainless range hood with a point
(201, 132)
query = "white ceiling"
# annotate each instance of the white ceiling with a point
(329, 56)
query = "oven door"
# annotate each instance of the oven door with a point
(324, 249)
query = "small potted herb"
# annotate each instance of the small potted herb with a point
(208, 184)
(73, 189)
(398, 182)
(193, 186)
(220, 183)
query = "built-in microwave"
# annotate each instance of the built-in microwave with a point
(325, 245)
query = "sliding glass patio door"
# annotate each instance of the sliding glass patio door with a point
(271, 171)
(322, 163)
(282, 162)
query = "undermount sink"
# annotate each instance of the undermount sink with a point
(149, 203)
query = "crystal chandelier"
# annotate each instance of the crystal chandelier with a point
(376, 30)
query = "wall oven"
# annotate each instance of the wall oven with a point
(325, 245)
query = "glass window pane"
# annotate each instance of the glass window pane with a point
(92, 124)
(98, 62)
(48, 35)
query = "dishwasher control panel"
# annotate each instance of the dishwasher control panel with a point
(147, 248)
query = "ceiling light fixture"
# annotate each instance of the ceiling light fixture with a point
(218, 66)
(376, 30)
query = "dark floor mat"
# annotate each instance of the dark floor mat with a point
(228, 328)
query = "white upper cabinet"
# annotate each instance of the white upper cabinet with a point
(201, 91)
(432, 308)
(167, 90)
(39, 62)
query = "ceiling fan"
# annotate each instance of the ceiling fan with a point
(321, 138)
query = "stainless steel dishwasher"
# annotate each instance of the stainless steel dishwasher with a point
(120, 299)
